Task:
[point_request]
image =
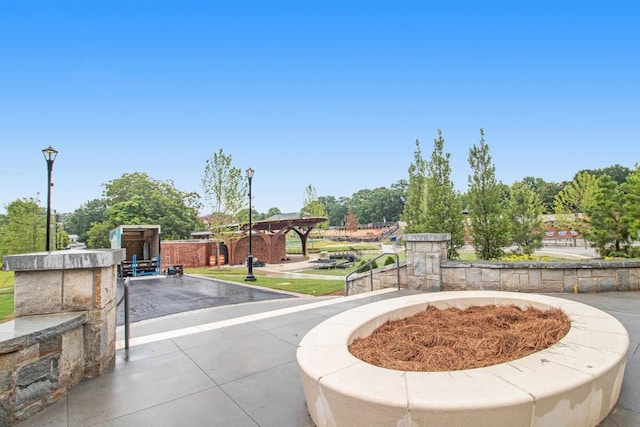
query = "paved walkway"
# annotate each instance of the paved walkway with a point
(236, 366)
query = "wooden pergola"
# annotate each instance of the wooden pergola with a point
(269, 237)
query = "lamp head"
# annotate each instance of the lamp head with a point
(50, 154)
(250, 173)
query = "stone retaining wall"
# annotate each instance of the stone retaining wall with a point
(428, 269)
(39, 364)
(64, 331)
(383, 277)
(542, 277)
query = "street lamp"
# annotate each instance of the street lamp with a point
(250, 277)
(49, 156)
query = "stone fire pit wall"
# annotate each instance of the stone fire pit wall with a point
(64, 327)
(575, 382)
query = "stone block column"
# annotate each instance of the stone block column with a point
(72, 281)
(425, 252)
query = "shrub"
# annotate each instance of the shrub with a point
(362, 268)
(389, 260)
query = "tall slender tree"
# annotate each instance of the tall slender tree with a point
(416, 205)
(631, 189)
(525, 210)
(444, 206)
(489, 226)
(313, 207)
(224, 188)
(609, 227)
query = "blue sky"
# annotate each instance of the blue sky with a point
(328, 93)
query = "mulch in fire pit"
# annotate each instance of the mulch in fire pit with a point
(437, 340)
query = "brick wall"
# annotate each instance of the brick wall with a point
(189, 253)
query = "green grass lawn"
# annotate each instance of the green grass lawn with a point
(6, 295)
(341, 272)
(316, 246)
(301, 286)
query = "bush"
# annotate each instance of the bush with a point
(362, 268)
(389, 260)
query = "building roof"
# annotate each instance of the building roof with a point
(288, 220)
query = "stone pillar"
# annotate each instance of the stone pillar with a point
(425, 252)
(72, 281)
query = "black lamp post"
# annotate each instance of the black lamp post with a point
(250, 277)
(50, 156)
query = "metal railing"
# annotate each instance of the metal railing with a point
(125, 299)
(369, 264)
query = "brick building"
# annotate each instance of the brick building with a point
(268, 243)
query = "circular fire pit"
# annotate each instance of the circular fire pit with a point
(576, 381)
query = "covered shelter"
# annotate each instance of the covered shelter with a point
(269, 237)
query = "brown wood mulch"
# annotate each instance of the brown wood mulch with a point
(437, 340)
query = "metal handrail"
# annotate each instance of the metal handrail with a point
(369, 263)
(125, 299)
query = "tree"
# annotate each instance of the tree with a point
(351, 223)
(312, 207)
(79, 221)
(572, 201)
(272, 212)
(444, 207)
(631, 189)
(98, 234)
(525, 210)
(489, 228)
(336, 209)
(617, 173)
(224, 189)
(137, 199)
(609, 231)
(546, 191)
(23, 229)
(416, 204)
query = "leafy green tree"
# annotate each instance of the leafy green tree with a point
(312, 207)
(378, 205)
(224, 188)
(271, 212)
(415, 208)
(617, 173)
(572, 201)
(336, 209)
(631, 189)
(525, 210)
(137, 199)
(444, 206)
(23, 228)
(546, 191)
(62, 237)
(609, 231)
(98, 234)
(79, 221)
(489, 227)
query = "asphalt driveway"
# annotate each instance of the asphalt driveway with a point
(156, 296)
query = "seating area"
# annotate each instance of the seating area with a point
(325, 264)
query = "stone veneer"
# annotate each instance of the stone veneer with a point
(64, 331)
(428, 269)
(542, 277)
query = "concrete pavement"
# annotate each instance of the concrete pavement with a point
(235, 366)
